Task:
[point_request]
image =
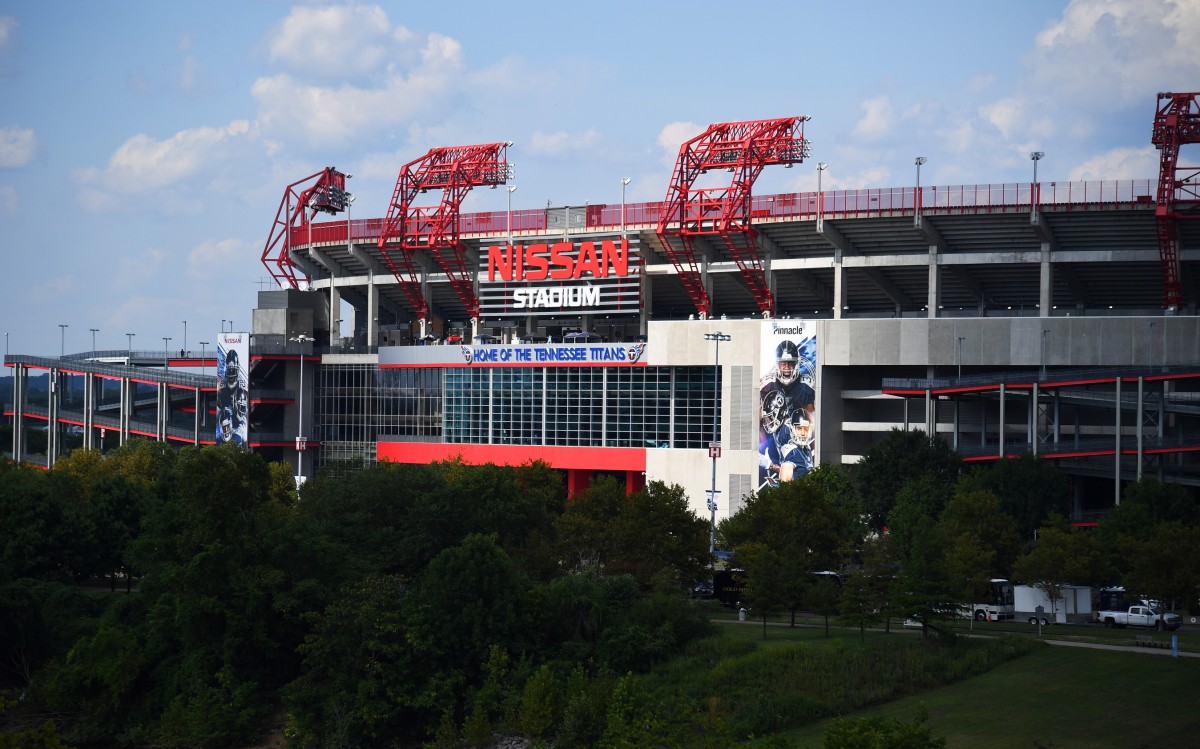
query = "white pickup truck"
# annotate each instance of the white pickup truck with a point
(1138, 616)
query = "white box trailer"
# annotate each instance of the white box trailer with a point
(1075, 605)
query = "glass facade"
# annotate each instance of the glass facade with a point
(568, 406)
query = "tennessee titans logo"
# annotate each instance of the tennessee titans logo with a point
(467, 354)
(635, 351)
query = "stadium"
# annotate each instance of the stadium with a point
(719, 339)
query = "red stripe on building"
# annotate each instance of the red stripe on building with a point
(589, 458)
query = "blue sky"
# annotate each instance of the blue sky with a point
(145, 145)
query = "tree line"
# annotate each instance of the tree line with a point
(189, 598)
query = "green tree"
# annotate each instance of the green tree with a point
(1166, 566)
(867, 598)
(1062, 555)
(978, 516)
(901, 457)
(1030, 490)
(803, 529)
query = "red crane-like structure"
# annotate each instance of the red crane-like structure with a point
(408, 228)
(745, 149)
(325, 193)
(1176, 123)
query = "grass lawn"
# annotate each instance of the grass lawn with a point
(1060, 697)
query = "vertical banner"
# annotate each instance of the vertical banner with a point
(787, 401)
(233, 397)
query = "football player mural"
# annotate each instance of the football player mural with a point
(787, 402)
(232, 388)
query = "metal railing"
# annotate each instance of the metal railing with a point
(935, 199)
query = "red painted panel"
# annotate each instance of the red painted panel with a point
(593, 458)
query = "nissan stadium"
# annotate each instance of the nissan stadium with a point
(719, 339)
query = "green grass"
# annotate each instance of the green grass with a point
(1060, 697)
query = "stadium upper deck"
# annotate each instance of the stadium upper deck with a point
(1083, 248)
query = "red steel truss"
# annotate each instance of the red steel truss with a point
(743, 148)
(409, 228)
(1176, 122)
(327, 194)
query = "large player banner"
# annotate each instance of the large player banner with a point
(787, 401)
(233, 395)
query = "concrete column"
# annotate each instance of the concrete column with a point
(935, 287)
(335, 314)
(373, 311)
(1046, 283)
(839, 285)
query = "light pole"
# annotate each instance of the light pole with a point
(917, 193)
(185, 337)
(62, 349)
(624, 182)
(714, 447)
(129, 350)
(166, 351)
(511, 190)
(94, 332)
(1035, 156)
(821, 167)
(301, 442)
(203, 360)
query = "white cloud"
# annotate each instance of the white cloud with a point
(1004, 115)
(336, 42)
(673, 135)
(877, 119)
(560, 143)
(1119, 163)
(1116, 53)
(209, 260)
(142, 164)
(8, 31)
(18, 147)
(288, 105)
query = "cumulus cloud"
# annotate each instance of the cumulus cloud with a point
(339, 41)
(560, 143)
(1119, 52)
(208, 260)
(673, 135)
(877, 119)
(291, 106)
(8, 32)
(18, 147)
(143, 164)
(1119, 163)
(1005, 115)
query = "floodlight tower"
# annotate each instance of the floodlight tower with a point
(408, 228)
(325, 193)
(1176, 122)
(744, 149)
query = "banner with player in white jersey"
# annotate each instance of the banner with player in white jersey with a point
(787, 401)
(233, 395)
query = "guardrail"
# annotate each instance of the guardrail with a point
(934, 199)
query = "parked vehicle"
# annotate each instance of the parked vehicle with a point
(998, 606)
(1138, 616)
(1074, 604)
